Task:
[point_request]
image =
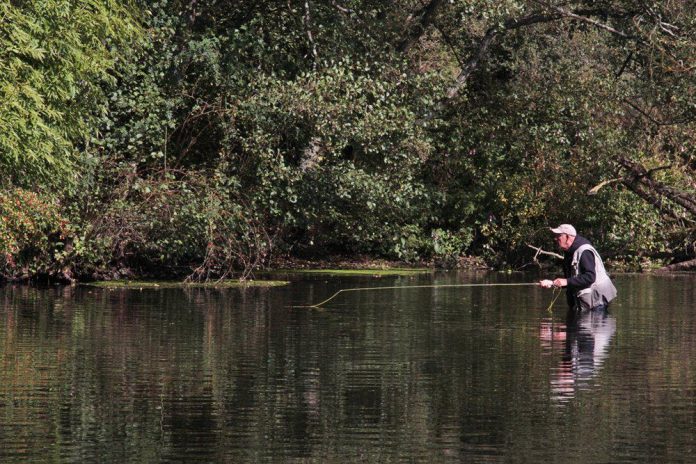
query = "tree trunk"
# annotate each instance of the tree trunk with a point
(638, 180)
(683, 266)
(424, 17)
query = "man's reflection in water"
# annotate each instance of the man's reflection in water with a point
(584, 340)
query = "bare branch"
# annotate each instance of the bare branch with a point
(667, 28)
(585, 19)
(308, 22)
(652, 119)
(558, 13)
(638, 180)
(623, 66)
(448, 41)
(480, 53)
(341, 8)
(472, 63)
(594, 190)
(540, 251)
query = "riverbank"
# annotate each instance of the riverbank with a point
(336, 264)
(367, 262)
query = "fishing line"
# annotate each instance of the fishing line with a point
(362, 289)
(558, 293)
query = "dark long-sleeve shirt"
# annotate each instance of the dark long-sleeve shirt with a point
(586, 276)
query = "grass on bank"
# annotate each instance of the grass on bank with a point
(231, 283)
(356, 272)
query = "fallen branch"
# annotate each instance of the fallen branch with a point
(539, 251)
(638, 180)
(683, 266)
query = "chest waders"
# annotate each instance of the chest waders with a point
(602, 290)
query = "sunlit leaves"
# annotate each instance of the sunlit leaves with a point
(54, 57)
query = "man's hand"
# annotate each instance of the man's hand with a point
(546, 283)
(560, 282)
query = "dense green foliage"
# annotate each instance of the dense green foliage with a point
(55, 56)
(407, 130)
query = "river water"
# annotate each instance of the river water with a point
(453, 374)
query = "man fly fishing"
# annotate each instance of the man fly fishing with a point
(587, 284)
(588, 287)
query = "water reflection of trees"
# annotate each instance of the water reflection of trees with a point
(89, 368)
(222, 375)
(226, 373)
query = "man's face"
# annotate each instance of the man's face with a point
(564, 241)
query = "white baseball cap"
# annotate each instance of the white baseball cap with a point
(564, 229)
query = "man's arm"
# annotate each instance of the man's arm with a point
(587, 276)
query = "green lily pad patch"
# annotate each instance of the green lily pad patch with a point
(140, 284)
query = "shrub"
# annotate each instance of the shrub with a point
(32, 234)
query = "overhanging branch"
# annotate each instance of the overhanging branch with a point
(485, 42)
(557, 13)
(424, 17)
(586, 19)
(639, 180)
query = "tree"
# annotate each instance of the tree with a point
(55, 58)
(398, 129)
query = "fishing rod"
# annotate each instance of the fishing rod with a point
(363, 289)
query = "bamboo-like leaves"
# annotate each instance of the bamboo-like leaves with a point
(55, 57)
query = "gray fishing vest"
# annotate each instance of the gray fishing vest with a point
(602, 291)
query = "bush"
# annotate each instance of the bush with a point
(32, 234)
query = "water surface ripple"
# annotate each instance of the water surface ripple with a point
(482, 374)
